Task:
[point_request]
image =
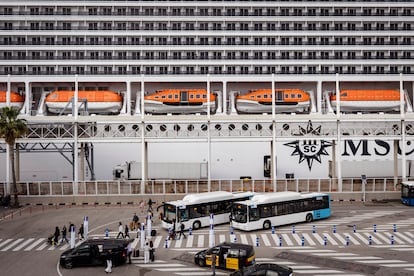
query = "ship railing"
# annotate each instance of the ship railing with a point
(165, 187)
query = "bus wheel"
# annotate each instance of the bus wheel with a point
(309, 218)
(266, 225)
(196, 225)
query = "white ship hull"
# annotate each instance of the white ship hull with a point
(367, 106)
(156, 107)
(246, 106)
(93, 107)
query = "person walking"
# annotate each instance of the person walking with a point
(213, 263)
(56, 236)
(129, 252)
(108, 256)
(80, 232)
(120, 231)
(64, 233)
(182, 231)
(135, 220)
(151, 251)
(126, 232)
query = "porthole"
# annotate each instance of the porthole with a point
(107, 128)
(245, 127)
(285, 127)
(217, 127)
(163, 128)
(148, 127)
(259, 127)
(121, 128)
(135, 127)
(204, 127)
(177, 127)
(232, 127)
(190, 127)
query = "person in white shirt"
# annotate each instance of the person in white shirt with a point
(120, 230)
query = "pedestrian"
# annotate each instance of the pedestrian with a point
(182, 231)
(64, 233)
(151, 251)
(120, 231)
(126, 232)
(129, 252)
(108, 256)
(146, 253)
(80, 232)
(150, 202)
(213, 263)
(56, 236)
(135, 220)
(172, 233)
(141, 206)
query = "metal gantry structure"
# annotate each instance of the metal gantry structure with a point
(78, 130)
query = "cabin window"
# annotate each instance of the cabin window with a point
(156, 97)
(163, 97)
(251, 97)
(198, 96)
(344, 94)
(204, 96)
(265, 96)
(169, 96)
(286, 96)
(191, 96)
(176, 96)
(259, 96)
(299, 96)
(292, 96)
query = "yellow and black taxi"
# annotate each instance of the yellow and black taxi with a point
(264, 269)
(228, 256)
(95, 252)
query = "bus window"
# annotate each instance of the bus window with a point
(169, 212)
(254, 214)
(183, 215)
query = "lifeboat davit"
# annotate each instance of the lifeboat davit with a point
(179, 101)
(16, 100)
(260, 101)
(367, 100)
(99, 102)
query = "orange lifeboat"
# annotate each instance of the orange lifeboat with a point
(260, 101)
(96, 101)
(367, 100)
(16, 100)
(179, 101)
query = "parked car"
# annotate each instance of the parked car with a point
(264, 269)
(228, 256)
(94, 252)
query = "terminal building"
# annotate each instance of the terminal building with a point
(197, 78)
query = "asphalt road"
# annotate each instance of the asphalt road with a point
(23, 250)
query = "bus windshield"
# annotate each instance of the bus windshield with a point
(169, 212)
(239, 213)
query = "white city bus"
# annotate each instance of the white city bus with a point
(273, 209)
(194, 209)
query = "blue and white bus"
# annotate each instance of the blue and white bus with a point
(194, 209)
(407, 193)
(273, 209)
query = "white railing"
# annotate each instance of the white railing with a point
(112, 187)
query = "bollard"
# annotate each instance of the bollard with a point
(394, 227)
(190, 231)
(370, 240)
(280, 241)
(347, 241)
(257, 242)
(235, 239)
(166, 243)
(375, 228)
(106, 233)
(303, 241)
(325, 241)
(313, 229)
(231, 230)
(392, 239)
(334, 229)
(273, 229)
(293, 229)
(354, 228)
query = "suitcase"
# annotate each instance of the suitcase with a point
(153, 233)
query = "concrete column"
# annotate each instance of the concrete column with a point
(75, 100)
(28, 98)
(319, 97)
(144, 157)
(82, 162)
(128, 97)
(224, 102)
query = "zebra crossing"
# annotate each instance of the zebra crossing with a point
(190, 270)
(388, 239)
(357, 258)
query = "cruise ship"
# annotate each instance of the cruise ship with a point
(270, 75)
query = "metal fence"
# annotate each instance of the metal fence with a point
(331, 185)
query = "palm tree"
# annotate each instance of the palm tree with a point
(12, 128)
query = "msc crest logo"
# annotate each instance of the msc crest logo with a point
(309, 150)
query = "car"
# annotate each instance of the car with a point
(228, 256)
(94, 252)
(264, 269)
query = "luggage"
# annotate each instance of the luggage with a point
(153, 233)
